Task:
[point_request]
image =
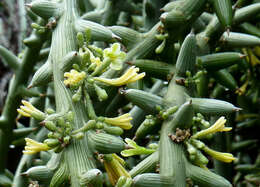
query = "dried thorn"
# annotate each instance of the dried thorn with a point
(129, 63)
(43, 95)
(121, 91)
(24, 174)
(42, 123)
(116, 37)
(29, 5)
(236, 109)
(243, 56)
(228, 31)
(30, 86)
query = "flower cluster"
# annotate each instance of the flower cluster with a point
(74, 78)
(195, 146)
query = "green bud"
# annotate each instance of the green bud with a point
(160, 48)
(79, 135)
(88, 35)
(80, 39)
(77, 96)
(70, 116)
(52, 142)
(102, 94)
(50, 111)
(54, 135)
(50, 126)
(66, 139)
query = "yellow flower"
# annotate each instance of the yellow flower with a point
(242, 89)
(74, 78)
(114, 55)
(218, 126)
(96, 60)
(129, 76)
(135, 149)
(122, 121)
(28, 110)
(114, 168)
(224, 157)
(33, 146)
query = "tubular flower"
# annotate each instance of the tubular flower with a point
(114, 168)
(218, 126)
(224, 157)
(135, 149)
(74, 78)
(129, 76)
(33, 147)
(115, 56)
(28, 110)
(122, 121)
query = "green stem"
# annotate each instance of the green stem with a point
(7, 120)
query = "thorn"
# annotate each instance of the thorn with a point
(30, 86)
(190, 102)
(76, 54)
(129, 63)
(116, 37)
(228, 31)
(134, 138)
(43, 95)
(42, 123)
(29, 5)
(24, 174)
(236, 109)
(242, 55)
(162, 10)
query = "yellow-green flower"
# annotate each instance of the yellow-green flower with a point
(28, 110)
(224, 157)
(129, 76)
(135, 149)
(96, 60)
(122, 121)
(74, 78)
(33, 147)
(115, 168)
(115, 56)
(218, 126)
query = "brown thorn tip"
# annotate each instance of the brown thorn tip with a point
(28, 5)
(129, 63)
(236, 109)
(30, 86)
(242, 55)
(42, 123)
(24, 174)
(228, 31)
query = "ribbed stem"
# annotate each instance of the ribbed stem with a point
(77, 154)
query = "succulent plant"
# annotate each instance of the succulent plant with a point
(161, 83)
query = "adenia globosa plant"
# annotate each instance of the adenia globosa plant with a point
(141, 93)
